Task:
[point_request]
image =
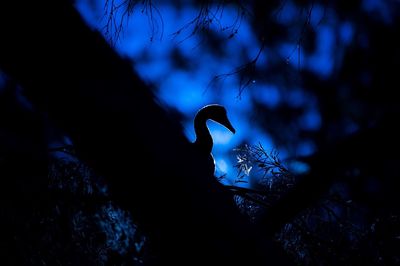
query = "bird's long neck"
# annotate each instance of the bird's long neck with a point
(203, 137)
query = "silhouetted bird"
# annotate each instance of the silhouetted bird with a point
(219, 232)
(204, 141)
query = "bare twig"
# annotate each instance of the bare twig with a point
(246, 72)
(117, 13)
(210, 14)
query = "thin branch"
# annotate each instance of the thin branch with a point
(118, 12)
(301, 37)
(211, 14)
(246, 73)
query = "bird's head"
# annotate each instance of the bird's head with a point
(218, 114)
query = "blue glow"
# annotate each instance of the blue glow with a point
(155, 70)
(2, 80)
(296, 98)
(298, 167)
(245, 37)
(378, 9)
(260, 136)
(305, 148)
(322, 61)
(310, 120)
(372, 4)
(135, 39)
(229, 96)
(184, 92)
(351, 127)
(224, 140)
(288, 13)
(317, 15)
(346, 32)
(220, 134)
(268, 95)
(88, 11)
(293, 53)
(222, 165)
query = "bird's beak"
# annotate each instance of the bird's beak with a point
(229, 126)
